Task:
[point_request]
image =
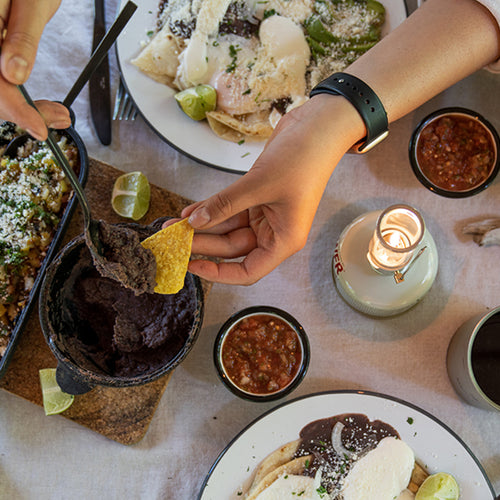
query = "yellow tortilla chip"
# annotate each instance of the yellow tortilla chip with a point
(171, 247)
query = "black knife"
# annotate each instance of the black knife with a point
(100, 95)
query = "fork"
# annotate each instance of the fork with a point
(124, 106)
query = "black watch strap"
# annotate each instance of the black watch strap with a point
(364, 99)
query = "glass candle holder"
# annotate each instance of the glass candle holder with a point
(398, 232)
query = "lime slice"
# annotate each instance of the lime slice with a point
(54, 400)
(440, 486)
(197, 101)
(131, 195)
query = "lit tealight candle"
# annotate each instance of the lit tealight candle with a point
(399, 230)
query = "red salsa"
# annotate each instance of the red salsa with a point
(261, 354)
(455, 153)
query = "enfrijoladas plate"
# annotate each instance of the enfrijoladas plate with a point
(161, 112)
(435, 445)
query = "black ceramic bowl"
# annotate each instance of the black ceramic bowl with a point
(261, 353)
(80, 326)
(82, 172)
(454, 152)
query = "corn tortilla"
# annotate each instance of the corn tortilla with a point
(171, 247)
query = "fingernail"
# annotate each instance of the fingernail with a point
(199, 217)
(60, 124)
(36, 135)
(17, 68)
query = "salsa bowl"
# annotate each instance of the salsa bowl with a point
(261, 353)
(454, 152)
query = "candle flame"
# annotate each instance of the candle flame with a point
(395, 239)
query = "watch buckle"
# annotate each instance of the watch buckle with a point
(362, 147)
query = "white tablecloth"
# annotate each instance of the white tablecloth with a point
(53, 458)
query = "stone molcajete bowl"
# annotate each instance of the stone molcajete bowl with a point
(80, 326)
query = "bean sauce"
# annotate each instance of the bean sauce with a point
(261, 354)
(455, 153)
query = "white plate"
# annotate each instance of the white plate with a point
(156, 104)
(435, 446)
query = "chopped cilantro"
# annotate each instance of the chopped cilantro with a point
(233, 53)
(321, 491)
(269, 13)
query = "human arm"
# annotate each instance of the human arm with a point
(265, 215)
(21, 25)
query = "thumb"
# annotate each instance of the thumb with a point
(26, 21)
(238, 197)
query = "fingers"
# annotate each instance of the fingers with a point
(14, 108)
(246, 192)
(239, 220)
(255, 266)
(230, 273)
(56, 115)
(228, 246)
(232, 238)
(21, 25)
(25, 23)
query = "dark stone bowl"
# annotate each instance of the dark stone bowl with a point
(22, 319)
(66, 331)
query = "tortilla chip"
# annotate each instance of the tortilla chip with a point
(171, 247)
(235, 128)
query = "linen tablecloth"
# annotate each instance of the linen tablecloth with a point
(54, 458)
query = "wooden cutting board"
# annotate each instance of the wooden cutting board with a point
(120, 414)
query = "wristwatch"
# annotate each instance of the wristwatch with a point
(364, 99)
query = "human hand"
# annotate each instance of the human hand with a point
(21, 26)
(265, 216)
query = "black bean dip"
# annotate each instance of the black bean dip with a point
(111, 330)
(124, 259)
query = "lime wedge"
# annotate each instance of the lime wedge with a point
(440, 486)
(54, 400)
(131, 195)
(197, 101)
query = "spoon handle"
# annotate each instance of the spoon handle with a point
(62, 161)
(100, 52)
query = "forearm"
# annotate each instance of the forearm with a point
(438, 45)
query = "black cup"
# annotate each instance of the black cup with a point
(473, 360)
